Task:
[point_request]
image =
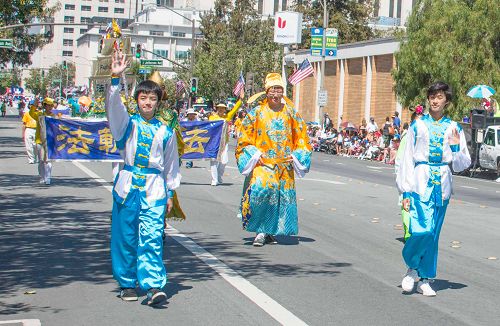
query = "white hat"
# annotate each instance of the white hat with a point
(191, 111)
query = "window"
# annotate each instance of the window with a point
(69, 7)
(276, 6)
(163, 53)
(69, 19)
(119, 11)
(181, 55)
(498, 137)
(67, 53)
(489, 139)
(259, 7)
(67, 42)
(85, 20)
(86, 8)
(179, 34)
(398, 11)
(69, 30)
(119, 1)
(83, 30)
(391, 8)
(283, 5)
(102, 9)
(156, 33)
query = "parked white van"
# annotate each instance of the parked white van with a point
(489, 153)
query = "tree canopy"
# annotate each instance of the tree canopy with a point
(351, 18)
(15, 12)
(235, 40)
(455, 41)
(39, 81)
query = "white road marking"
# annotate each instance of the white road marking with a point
(25, 322)
(321, 180)
(91, 173)
(469, 187)
(261, 299)
(374, 167)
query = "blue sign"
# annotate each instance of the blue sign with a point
(202, 139)
(331, 53)
(144, 71)
(69, 139)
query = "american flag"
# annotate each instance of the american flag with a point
(239, 85)
(305, 70)
(180, 86)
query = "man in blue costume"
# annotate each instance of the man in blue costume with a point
(424, 178)
(143, 189)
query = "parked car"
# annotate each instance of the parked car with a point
(489, 152)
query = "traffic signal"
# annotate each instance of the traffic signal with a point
(138, 51)
(65, 65)
(194, 85)
(249, 83)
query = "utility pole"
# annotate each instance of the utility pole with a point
(323, 55)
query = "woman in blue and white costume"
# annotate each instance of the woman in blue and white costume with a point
(143, 188)
(424, 178)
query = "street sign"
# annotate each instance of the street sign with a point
(151, 63)
(56, 81)
(316, 41)
(6, 43)
(331, 35)
(322, 97)
(144, 70)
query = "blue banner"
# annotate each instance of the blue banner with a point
(202, 138)
(69, 139)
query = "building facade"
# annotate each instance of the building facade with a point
(358, 82)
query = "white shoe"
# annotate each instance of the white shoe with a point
(409, 280)
(425, 288)
(47, 182)
(214, 183)
(259, 240)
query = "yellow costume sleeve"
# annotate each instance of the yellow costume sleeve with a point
(233, 111)
(246, 143)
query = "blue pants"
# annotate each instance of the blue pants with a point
(137, 245)
(421, 248)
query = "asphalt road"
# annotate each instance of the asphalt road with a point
(344, 268)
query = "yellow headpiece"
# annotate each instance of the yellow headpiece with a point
(274, 79)
(48, 101)
(156, 77)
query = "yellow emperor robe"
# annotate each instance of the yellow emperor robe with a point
(268, 203)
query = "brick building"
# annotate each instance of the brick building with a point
(358, 81)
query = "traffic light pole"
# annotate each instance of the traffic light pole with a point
(323, 55)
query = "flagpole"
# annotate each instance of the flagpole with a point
(323, 55)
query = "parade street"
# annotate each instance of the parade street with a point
(344, 267)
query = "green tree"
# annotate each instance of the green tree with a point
(350, 17)
(455, 41)
(36, 82)
(235, 40)
(8, 78)
(15, 12)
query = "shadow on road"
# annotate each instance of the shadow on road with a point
(441, 285)
(251, 262)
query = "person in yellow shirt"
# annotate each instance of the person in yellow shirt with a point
(217, 167)
(237, 123)
(44, 166)
(29, 132)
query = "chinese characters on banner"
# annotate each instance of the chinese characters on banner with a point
(202, 138)
(69, 139)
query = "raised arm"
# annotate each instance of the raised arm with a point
(116, 111)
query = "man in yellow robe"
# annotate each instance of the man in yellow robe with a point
(273, 147)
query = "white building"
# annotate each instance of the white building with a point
(392, 13)
(158, 30)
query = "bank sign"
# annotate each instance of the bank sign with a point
(288, 27)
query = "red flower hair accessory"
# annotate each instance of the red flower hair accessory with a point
(419, 109)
